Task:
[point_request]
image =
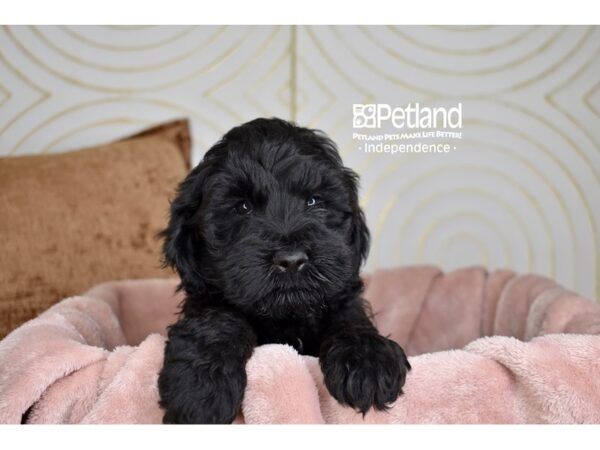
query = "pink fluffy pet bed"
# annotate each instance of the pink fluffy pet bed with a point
(485, 348)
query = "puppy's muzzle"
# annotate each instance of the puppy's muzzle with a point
(290, 261)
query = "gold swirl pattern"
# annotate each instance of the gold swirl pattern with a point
(520, 190)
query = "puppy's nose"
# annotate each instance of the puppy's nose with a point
(290, 261)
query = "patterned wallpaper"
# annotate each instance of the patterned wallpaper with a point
(522, 189)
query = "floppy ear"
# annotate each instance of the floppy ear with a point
(360, 236)
(359, 233)
(183, 243)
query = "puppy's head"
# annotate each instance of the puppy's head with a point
(269, 221)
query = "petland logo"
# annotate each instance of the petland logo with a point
(413, 116)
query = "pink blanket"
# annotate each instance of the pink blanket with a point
(529, 352)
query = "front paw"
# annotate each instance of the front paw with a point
(363, 369)
(201, 392)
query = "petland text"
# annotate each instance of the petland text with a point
(412, 116)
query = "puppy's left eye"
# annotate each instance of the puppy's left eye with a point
(243, 208)
(313, 200)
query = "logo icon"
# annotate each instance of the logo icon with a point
(365, 116)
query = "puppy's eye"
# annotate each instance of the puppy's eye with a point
(243, 208)
(313, 200)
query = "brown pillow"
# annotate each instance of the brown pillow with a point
(71, 220)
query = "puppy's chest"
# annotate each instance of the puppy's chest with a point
(304, 337)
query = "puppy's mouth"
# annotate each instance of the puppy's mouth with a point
(289, 301)
(290, 293)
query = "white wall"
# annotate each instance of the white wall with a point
(522, 190)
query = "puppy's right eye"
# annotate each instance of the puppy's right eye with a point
(243, 208)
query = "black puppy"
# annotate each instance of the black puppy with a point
(267, 236)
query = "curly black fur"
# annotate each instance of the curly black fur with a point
(269, 188)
